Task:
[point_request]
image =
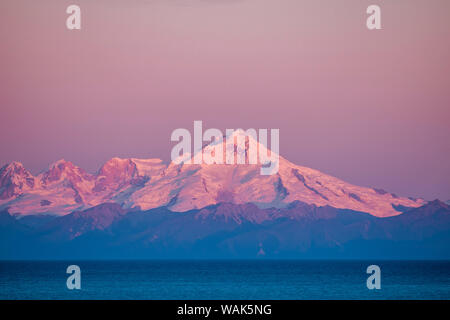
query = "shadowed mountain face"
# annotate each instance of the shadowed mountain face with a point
(227, 230)
(149, 183)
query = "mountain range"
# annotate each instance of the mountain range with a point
(227, 230)
(149, 183)
(143, 208)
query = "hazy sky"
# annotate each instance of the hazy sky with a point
(370, 107)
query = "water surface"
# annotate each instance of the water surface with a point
(261, 279)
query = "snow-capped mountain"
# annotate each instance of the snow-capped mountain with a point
(15, 180)
(149, 183)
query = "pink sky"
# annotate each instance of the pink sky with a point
(370, 107)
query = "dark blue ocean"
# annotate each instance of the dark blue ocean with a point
(259, 279)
